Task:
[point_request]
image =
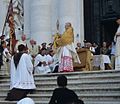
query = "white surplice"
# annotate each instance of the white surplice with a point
(22, 77)
(6, 56)
(72, 52)
(117, 55)
(53, 62)
(41, 69)
(33, 50)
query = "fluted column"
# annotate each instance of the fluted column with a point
(3, 9)
(54, 15)
(72, 11)
(40, 20)
(27, 18)
(40, 17)
(81, 20)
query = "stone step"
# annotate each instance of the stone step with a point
(3, 68)
(85, 97)
(46, 102)
(77, 90)
(4, 85)
(83, 91)
(102, 102)
(82, 79)
(79, 73)
(95, 87)
(81, 85)
(76, 76)
(71, 84)
(14, 102)
(87, 75)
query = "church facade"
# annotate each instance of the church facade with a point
(92, 20)
(40, 18)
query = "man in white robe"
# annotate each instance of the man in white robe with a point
(21, 79)
(117, 40)
(6, 57)
(41, 63)
(33, 48)
(21, 41)
(52, 61)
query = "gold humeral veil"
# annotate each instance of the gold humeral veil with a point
(66, 38)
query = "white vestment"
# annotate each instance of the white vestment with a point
(33, 50)
(72, 52)
(41, 69)
(117, 55)
(7, 54)
(6, 59)
(22, 77)
(66, 55)
(53, 62)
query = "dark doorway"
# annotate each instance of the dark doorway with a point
(108, 30)
(99, 20)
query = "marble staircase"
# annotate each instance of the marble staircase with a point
(94, 87)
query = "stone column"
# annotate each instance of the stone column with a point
(81, 20)
(40, 20)
(27, 18)
(54, 17)
(72, 11)
(3, 13)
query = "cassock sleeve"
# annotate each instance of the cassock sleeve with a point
(29, 64)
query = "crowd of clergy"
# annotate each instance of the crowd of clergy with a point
(42, 55)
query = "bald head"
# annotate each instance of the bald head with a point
(23, 37)
(67, 25)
